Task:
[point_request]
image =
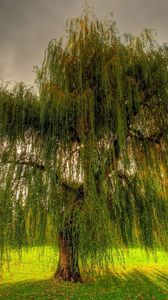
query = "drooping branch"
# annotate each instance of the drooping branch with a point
(69, 157)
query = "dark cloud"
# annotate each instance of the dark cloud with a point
(26, 27)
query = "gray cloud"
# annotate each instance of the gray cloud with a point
(26, 27)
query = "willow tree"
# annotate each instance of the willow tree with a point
(84, 162)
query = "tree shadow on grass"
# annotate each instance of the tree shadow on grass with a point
(116, 286)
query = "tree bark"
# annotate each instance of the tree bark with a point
(68, 237)
(68, 266)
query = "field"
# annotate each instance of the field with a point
(140, 277)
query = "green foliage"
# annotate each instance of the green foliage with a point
(91, 145)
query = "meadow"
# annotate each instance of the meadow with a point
(138, 277)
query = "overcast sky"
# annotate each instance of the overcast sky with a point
(26, 27)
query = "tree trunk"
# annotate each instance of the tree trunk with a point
(68, 266)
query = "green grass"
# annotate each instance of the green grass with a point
(138, 278)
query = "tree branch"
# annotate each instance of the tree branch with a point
(138, 135)
(78, 190)
(24, 163)
(125, 178)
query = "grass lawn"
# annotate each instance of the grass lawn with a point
(138, 278)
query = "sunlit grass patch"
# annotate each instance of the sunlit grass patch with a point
(40, 263)
(31, 277)
(136, 284)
